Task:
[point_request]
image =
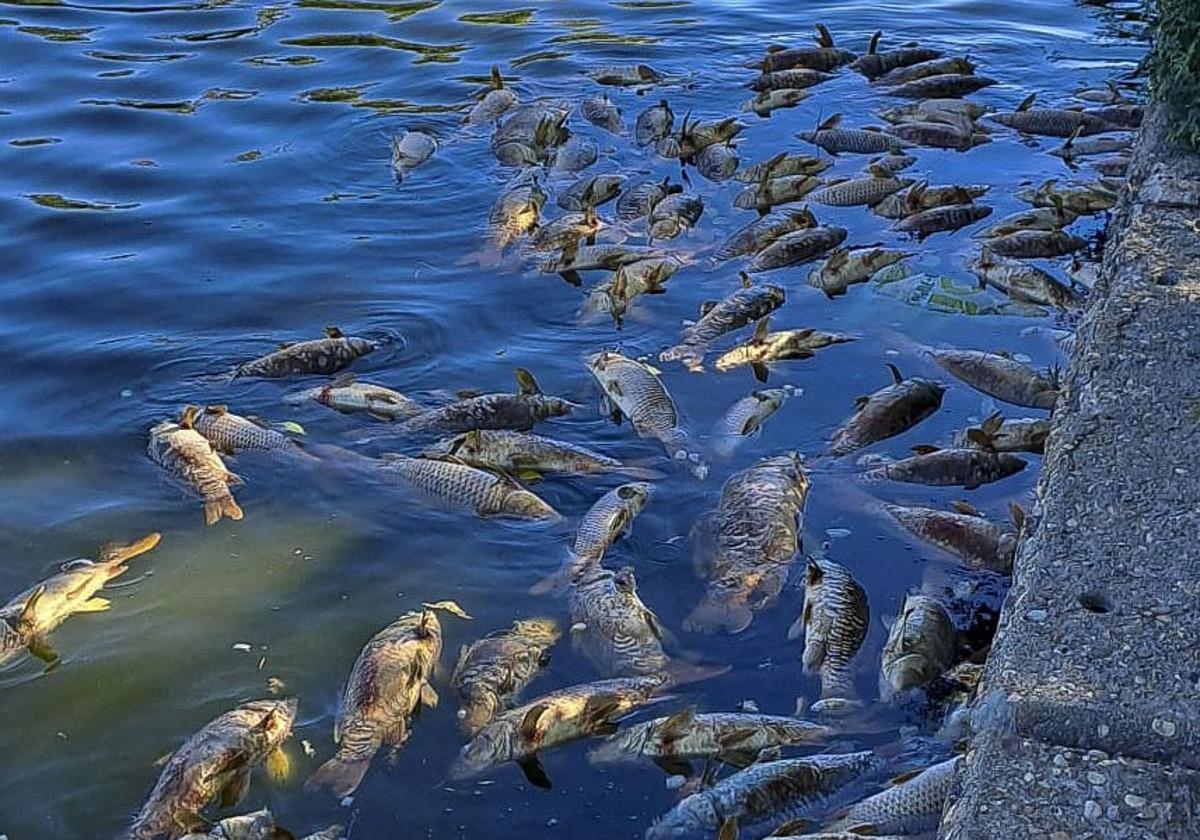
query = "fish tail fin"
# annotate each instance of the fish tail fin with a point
(680, 673)
(214, 509)
(715, 614)
(116, 556)
(341, 775)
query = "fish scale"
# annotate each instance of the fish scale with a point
(763, 231)
(834, 621)
(232, 433)
(745, 306)
(615, 629)
(999, 376)
(967, 468)
(464, 486)
(921, 645)
(858, 191)
(975, 541)
(888, 412)
(798, 247)
(913, 806)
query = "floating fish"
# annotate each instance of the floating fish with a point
(323, 355)
(602, 112)
(347, 394)
(760, 233)
(921, 645)
(765, 347)
(999, 375)
(1022, 281)
(1052, 122)
(188, 456)
(941, 219)
(887, 412)
(654, 124)
(798, 247)
(912, 805)
(968, 468)
(409, 151)
(973, 540)
(519, 453)
(837, 140)
(460, 485)
(825, 56)
(492, 671)
(943, 86)
(834, 623)
(519, 411)
(627, 75)
(231, 433)
(858, 192)
(745, 306)
(745, 418)
(845, 267)
(492, 105)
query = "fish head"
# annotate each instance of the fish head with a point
(520, 502)
(769, 399)
(920, 646)
(360, 346)
(690, 818)
(481, 752)
(633, 496)
(272, 721)
(12, 640)
(476, 711)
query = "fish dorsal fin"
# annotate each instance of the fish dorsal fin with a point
(874, 45)
(747, 280)
(728, 829)
(760, 330)
(769, 167)
(448, 606)
(831, 122)
(216, 410)
(897, 378)
(187, 418)
(677, 724)
(837, 259)
(1027, 102)
(924, 449)
(526, 385)
(992, 424)
(1017, 513)
(334, 332)
(965, 508)
(1070, 141)
(497, 79)
(529, 724)
(916, 195)
(823, 36)
(28, 616)
(981, 439)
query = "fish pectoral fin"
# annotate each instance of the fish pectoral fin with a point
(235, 789)
(40, 648)
(535, 772)
(761, 372)
(429, 696)
(865, 829)
(94, 605)
(279, 765)
(529, 723)
(598, 711)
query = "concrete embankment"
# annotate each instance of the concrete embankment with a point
(1088, 719)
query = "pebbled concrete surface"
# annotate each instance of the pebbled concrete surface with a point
(1099, 641)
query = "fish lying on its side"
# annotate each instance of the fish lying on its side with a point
(744, 418)
(259, 825)
(964, 533)
(834, 624)
(323, 355)
(491, 672)
(999, 375)
(460, 485)
(520, 453)
(188, 456)
(745, 306)
(921, 645)
(347, 394)
(967, 468)
(887, 412)
(912, 805)
(765, 347)
(231, 433)
(519, 411)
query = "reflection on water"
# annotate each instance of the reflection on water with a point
(185, 185)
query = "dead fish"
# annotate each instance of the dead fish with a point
(717, 162)
(825, 56)
(798, 247)
(1100, 144)
(516, 153)
(613, 627)
(347, 394)
(554, 719)
(1113, 167)
(891, 163)
(1027, 244)
(845, 267)
(597, 257)
(782, 165)
(734, 737)
(591, 192)
(766, 347)
(887, 412)
(875, 64)
(492, 671)
(603, 524)
(28, 619)
(520, 453)
(757, 523)
(765, 794)
(941, 219)
(566, 231)
(259, 825)
(323, 355)
(1110, 94)
(231, 433)
(961, 136)
(492, 104)
(519, 411)
(638, 200)
(1000, 376)
(858, 192)
(1081, 198)
(794, 78)
(854, 140)
(968, 468)
(771, 192)
(920, 197)
(944, 86)
(834, 623)
(1119, 116)
(772, 100)
(654, 123)
(921, 645)
(695, 136)
(954, 65)
(389, 683)
(934, 110)
(1022, 281)
(973, 540)
(215, 762)
(409, 151)
(460, 485)
(626, 75)
(912, 805)
(1039, 218)
(745, 418)
(601, 112)
(187, 455)
(745, 306)
(760, 233)
(1052, 122)
(523, 120)
(633, 390)
(515, 212)
(575, 155)
(1026, 434)
(675, 214)
(628, 282)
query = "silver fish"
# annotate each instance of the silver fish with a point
(771, 192)
(834, 622)
(566, 231)
(887, 412)
(597, 257)
(1101, 144)
(798, 247)
(941, 219)
(1080, 198)
(591, 191)
(911, 806)
(717, 162)
(837, 140)
(519, 411)
(600, 111)
(845, 267)
(758, 522)
(934, 110)
(766, 346)
(347, 394)
(575, 155)
(1021, 435)
(323, 355)
(492, 105)
(409, 151)
(920, 197)
(654, 124)
(745, 306)
(616, 631)
(760, 233)
(773, 100)
(647, 276)
(1039, 218)
(675, 214)
(745, 417)
(1052, 122)
(923, 69)
(460, 485)
(639, 199)
(857, 192)
(518, 453)
(921, 645)
(231, 433)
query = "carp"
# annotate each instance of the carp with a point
(745, 418)
(965, 534)
(782, 165)
(492, 671)
(912, 805)
(319, 356)
(347, 394)
(674, 215)
(795, 78)
(1021, 281)
(968, 468)
(626, 75)
(934, 110)
(875, 64)
(492, 105)
(887, 412)
(1052, 122)
(638, 200)
(1029, 244)
(857, 192)
(389, 683)
(942, 86)
(764, 230)
(798, 247)
(654, 124)
(834, 622)
(745, 306)
(566, 231)
(602, 113)
(773, 100)
(922, 69)
(825, 56)
(648, 276)
(1081, 198)
(921, 645)
(231, 433)
(515, 213)
(590, 192)
(835, 140)
(520, 453)
(459, 485)
(920, 197)
(941, 219)
(1000, 376)
(771, 191)
(717, 162)
(766, 346)
(409, 151)
(188, 456)
(613, 627)
(1022, 435)
(519, 411)
(844, 267)
(1039, 218)
(961, 136)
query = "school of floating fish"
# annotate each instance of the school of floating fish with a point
(474, 451)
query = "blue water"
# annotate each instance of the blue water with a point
(224, 186)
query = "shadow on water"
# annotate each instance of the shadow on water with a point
(185, 185)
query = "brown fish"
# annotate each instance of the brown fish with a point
(922, 645)
(187, 455)
(798, 247)
(967, 468)
(875, 64)
(940, 219)
(1052, 122)
(1029, 244)
(945, 85)
(976, 542)
(834, 622)
(492, 671)
(888, 412)
(519, 411)
(321, 356)
(825, 56)
(760, 233)
(999, 376)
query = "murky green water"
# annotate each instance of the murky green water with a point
(184, 185)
